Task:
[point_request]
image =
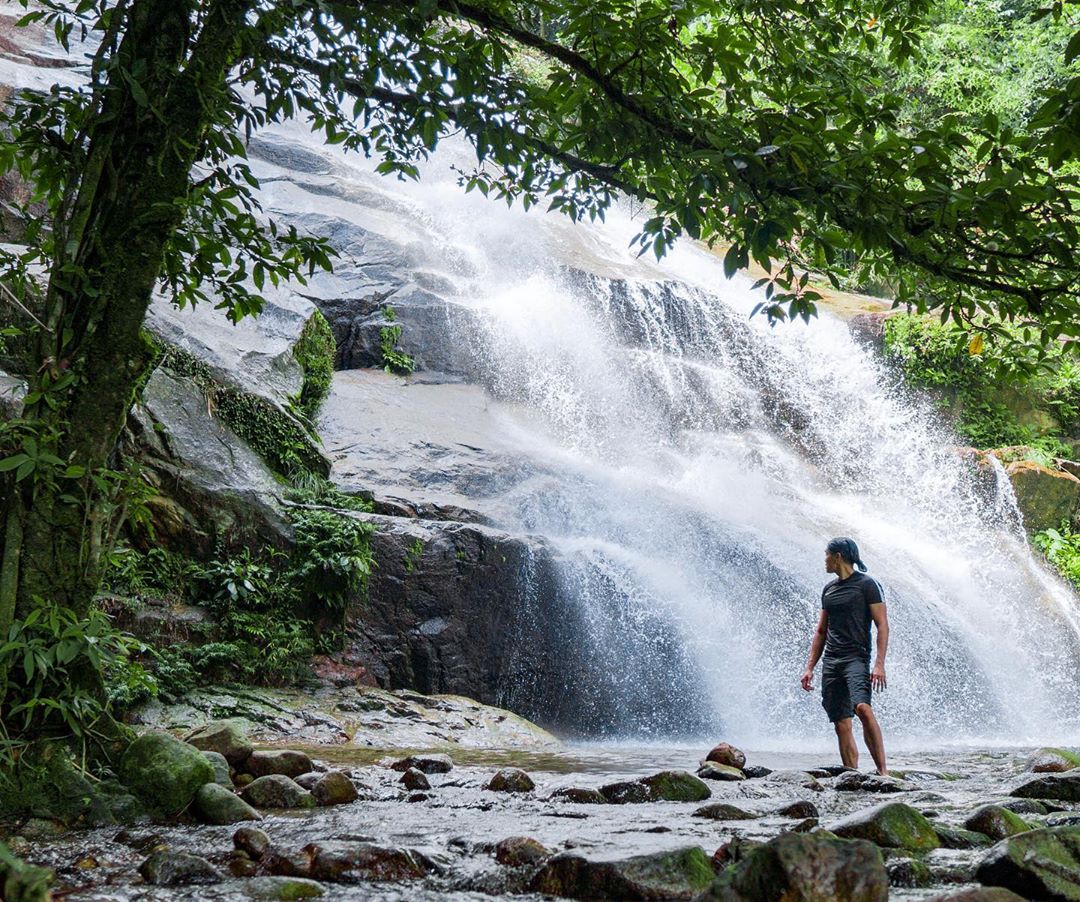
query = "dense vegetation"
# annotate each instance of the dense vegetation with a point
(786, 130)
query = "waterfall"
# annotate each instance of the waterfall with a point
(688, 465)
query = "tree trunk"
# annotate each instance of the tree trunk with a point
(111, 239)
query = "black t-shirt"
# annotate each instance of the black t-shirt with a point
(847, 602)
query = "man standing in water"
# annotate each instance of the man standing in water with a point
(848, 605)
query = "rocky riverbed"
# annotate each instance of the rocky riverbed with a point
(513, 813)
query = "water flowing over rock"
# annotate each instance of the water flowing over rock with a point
(1047, 761)
(680, 874)
(1040, 864)
(1062, 787)
(893, 825)
(169, 868)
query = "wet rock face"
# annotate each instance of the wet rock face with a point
(805, 867)
(679, 874)
(1040, 864)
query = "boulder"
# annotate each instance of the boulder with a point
(1052, 761)
(580, 795)
(857, 781)
(795, 778)
(677, 874)
(417, 779)
(908, 872)
(520, 851)
(754, 771)
(21, 882)
(168, 868)
(979, 894)
(626, 792)
(222, 775)
(675, 786)
(334, 788)
(1045, 496)
(226, 737)
(710, 770)
(511, 779)
(1027, 806)
(252, 841)
(798, 810)
(428, 764)
(996, 822)
(807, 867)
(721, 811)
(1062, 787)
(349, 862)
(282, 889)
(1040, 864)
(305, 781)
(725, 753)
(278, 761)
(959, 838)
(217, 805)
(892, 825)
(277, 791)
(164, 772)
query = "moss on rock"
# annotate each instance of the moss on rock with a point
(315, 350)
(676, 786)
(996, 822)
(22, 882)
(677, 874)
(1039, 864)
(164, 772)
(893, 825)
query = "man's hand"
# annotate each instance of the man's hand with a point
(877, 677)
(807, 680)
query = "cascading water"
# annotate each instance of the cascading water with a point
(691, 463)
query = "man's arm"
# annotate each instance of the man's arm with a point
(817, 646)
(881, 621)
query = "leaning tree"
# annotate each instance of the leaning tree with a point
(765, 125)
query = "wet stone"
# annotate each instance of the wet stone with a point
(1025, 806)
(168, 868)
(1052, 761)
(1063, 787)
(415, 779)
(286, 762)
(856, 781)
(675, 875)
(795, 778)
(417, 797)
(979, 894)
(799, 809)
(138, 840)
(580, 795)
(283, 889)
(675, 786)
(286, 862)
(428, 764)
(908, 872)
(221, 769)
(893, 825)
(805, 826)
(960, 838)
(334, 788)
(345, 862)
(217, 805)
(520, 851)
(277, 791)
(1063, 819)
(996, 822)
(725, 753)
(721, 811)
(511, 779)
(226, 737)
(1040, 864)
(239, 865)
(626, 792)
(710, 770)
(252, 841)
(755, 771)
(308, 781)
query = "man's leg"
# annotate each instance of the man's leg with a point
(849, 751)
(872, 736)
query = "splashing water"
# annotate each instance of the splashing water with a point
(698, 461)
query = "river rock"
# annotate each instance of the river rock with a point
(580, 795)
(996, 822)
(710, 770)
(721, 811)
(520, 851)
(251, 840)
(1052, 761)
(892, 825)
(959, 838)
(799, 810)
(277, 791)
(979, 894)
(428, 764)
(626, 792)
(217, 805)
(725, 753)
(349, 862)
(1044, 496)
(511, 779)
(675, 786)
(677, 874)
(334, 788)
(220, 765)
(226, 737)
(285, 861)
(168, 868)
(857, 781)
(1062, 787)
(804, 868)
(286, 762)
(1040, 864)
(795, 778)
(908, 872)
(755, 771)
(306, 781)
(416, 779)
(282, 889)
(164, 772)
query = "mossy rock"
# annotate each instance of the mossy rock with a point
(282, 889)
(677, 874)
(893, 825)
(996, 822)
(1063, 787)
(22, 882)
(908, 872)
(164, 772)
(676, 786)
(217, 805)
(1052, 760)
(960, 838)
(1039, 864)
(805, 867)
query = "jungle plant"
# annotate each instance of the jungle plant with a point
(1062, 549)
(394, 360)
(314, 351)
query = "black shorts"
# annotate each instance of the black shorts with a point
(845, 683)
